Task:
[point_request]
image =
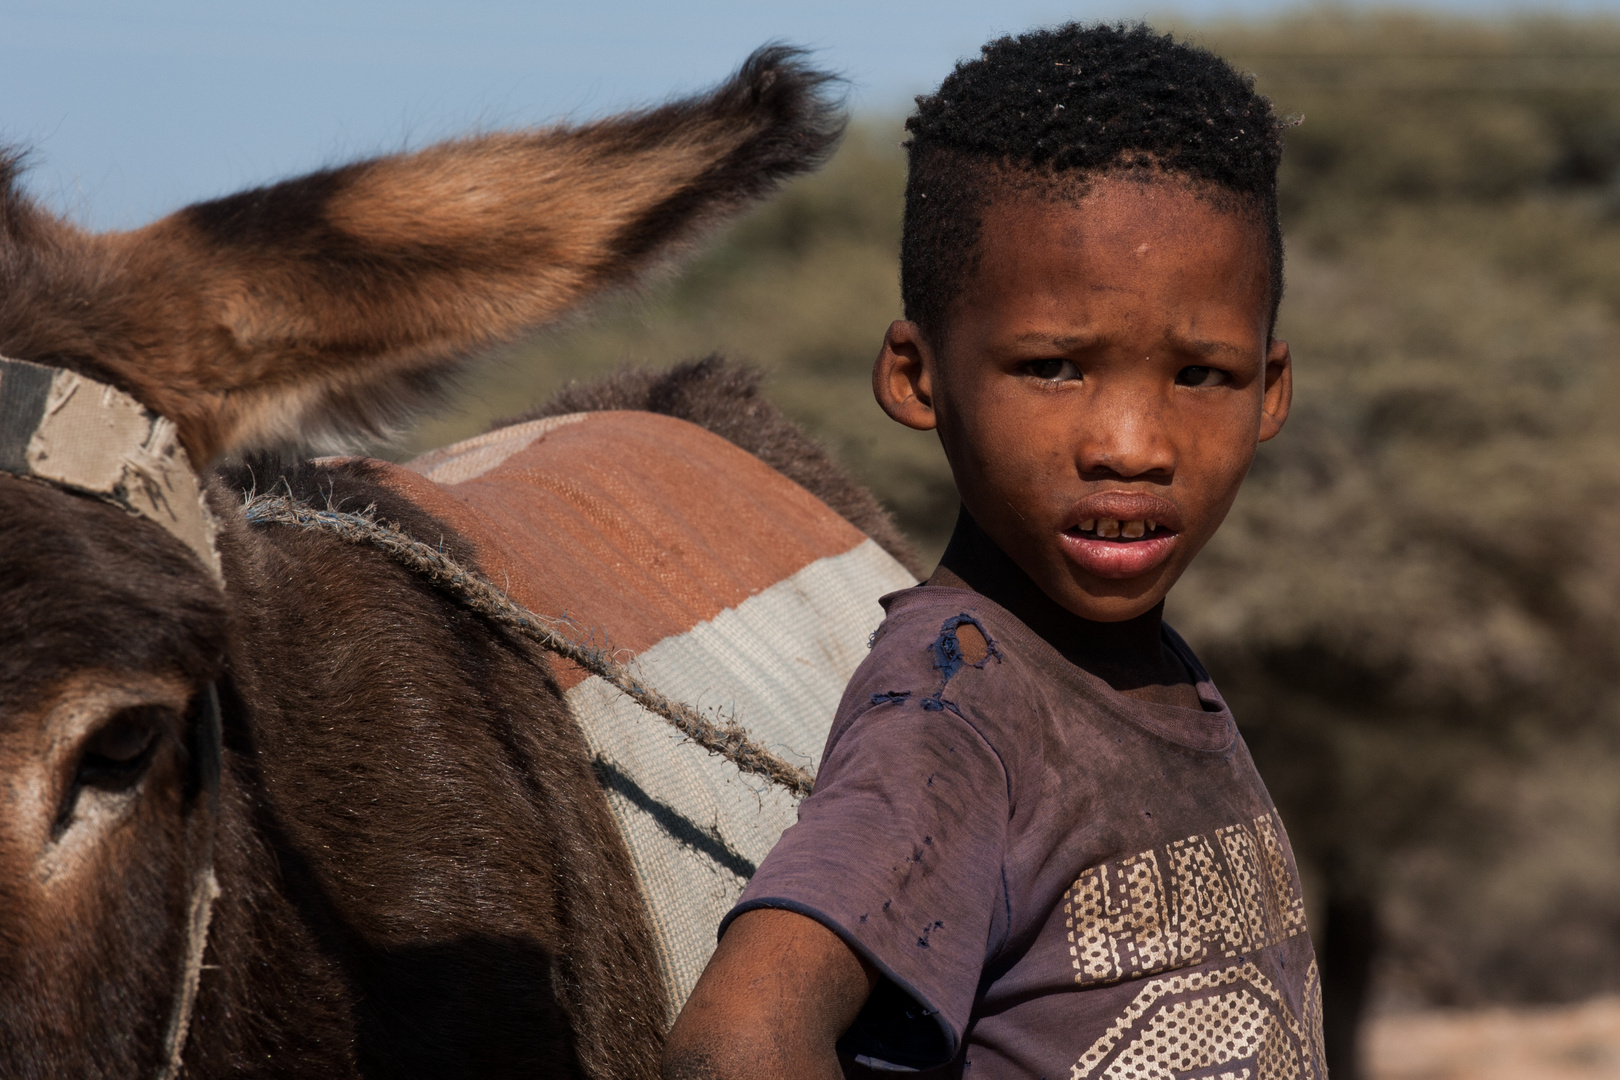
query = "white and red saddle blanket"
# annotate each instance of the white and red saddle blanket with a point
(735, 589)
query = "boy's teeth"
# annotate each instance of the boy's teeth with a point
(1110, 528)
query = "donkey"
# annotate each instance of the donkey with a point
(271, 804)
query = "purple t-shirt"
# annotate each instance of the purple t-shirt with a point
(1055, 879)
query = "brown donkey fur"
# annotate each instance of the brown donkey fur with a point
(419, 874)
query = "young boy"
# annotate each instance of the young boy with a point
(1037, 845)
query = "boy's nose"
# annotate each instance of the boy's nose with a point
(1125, 437)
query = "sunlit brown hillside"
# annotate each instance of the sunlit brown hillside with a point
(1413, 605)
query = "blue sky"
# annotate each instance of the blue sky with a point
(134, 107)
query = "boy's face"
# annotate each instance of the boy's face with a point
(1105, 379)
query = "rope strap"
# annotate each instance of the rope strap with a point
(203, 894)
(725, 737)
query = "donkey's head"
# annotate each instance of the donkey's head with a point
(318, 309)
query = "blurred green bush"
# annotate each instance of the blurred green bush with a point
(1414, 603)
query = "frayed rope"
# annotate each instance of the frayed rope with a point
(726, 738)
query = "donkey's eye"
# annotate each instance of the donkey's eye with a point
(1053, 370)
(121, 750)
(1197, 375)
(113, 761)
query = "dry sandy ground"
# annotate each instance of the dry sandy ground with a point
(1575, 1042)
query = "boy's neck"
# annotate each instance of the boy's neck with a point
(1131, 656)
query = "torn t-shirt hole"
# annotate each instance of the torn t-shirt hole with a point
(962, 642)
(974, 646)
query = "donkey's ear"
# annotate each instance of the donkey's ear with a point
(329, 307)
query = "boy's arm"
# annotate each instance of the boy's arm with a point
(777, 995)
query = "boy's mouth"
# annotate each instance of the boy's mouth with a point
(1115, 529)
(1120, 534)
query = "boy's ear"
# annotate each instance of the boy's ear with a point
(329, 307)
(904, 375)
(1279, 393)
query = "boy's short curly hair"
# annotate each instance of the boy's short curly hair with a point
(1062, 103)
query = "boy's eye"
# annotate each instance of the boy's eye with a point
(1053, 370)
(1197, 375)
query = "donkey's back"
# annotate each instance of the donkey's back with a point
(734, 589)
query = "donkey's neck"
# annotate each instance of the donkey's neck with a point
(272, 999)
(367, 713)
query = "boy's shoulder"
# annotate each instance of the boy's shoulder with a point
(944, 632)
(954, 650)
(950, 650)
